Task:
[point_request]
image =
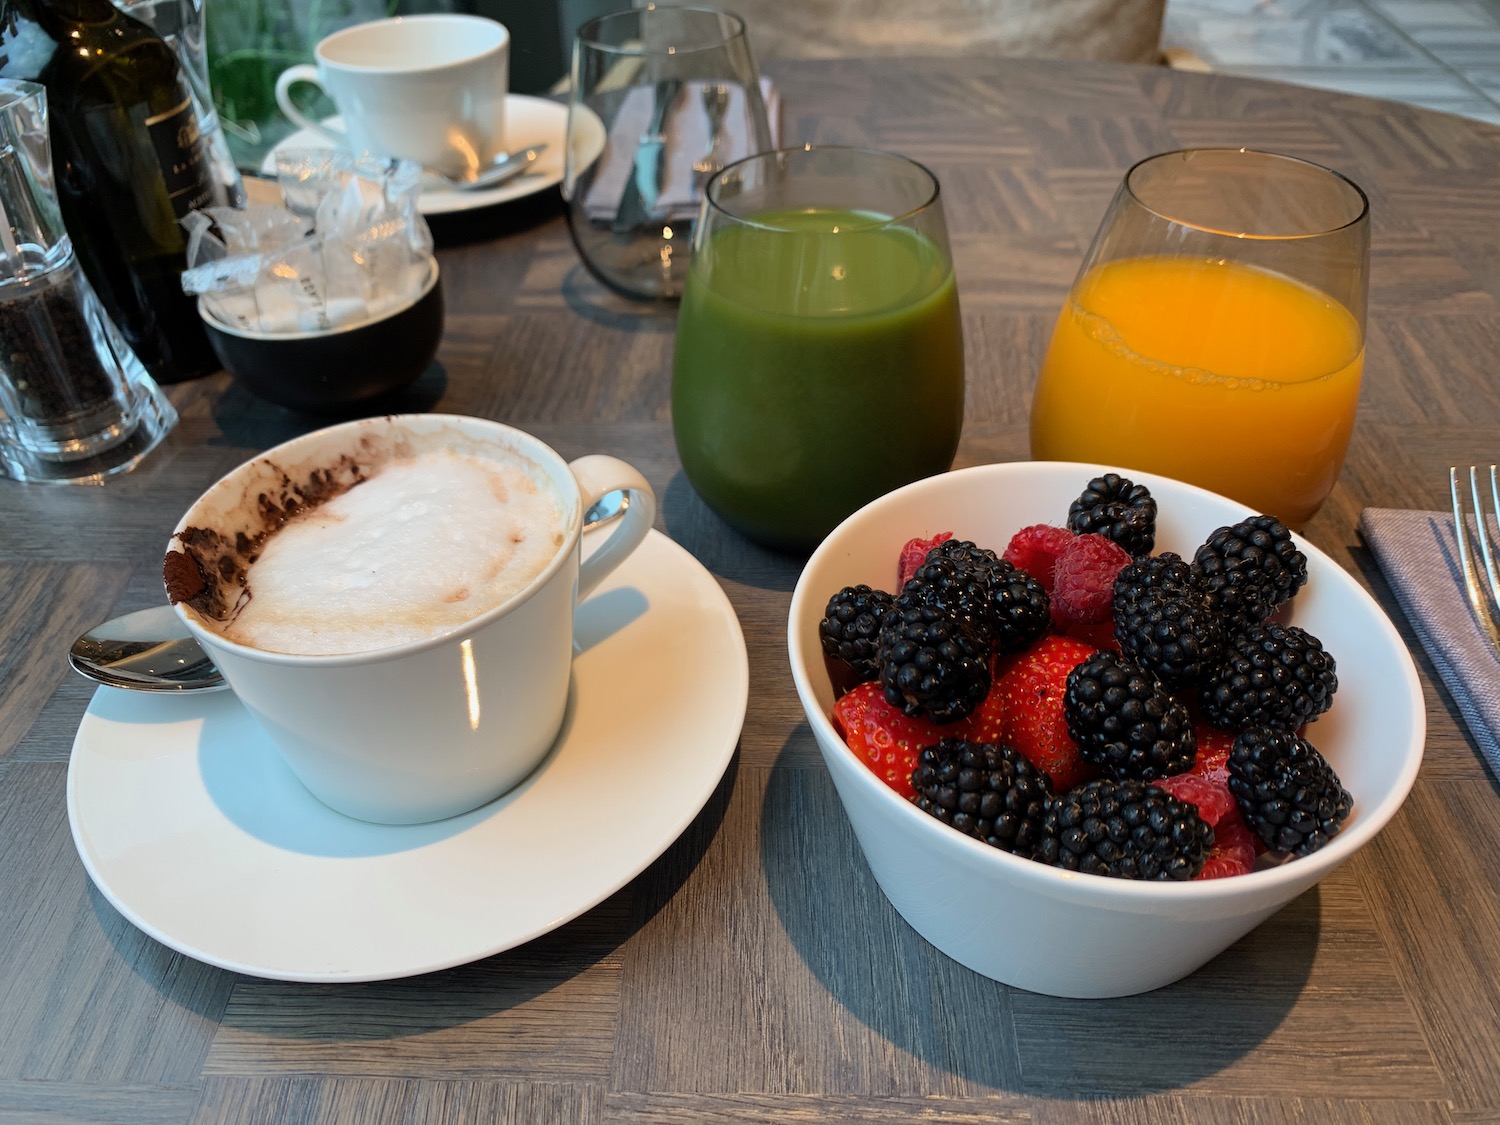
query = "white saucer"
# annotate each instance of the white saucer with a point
(528, 121)
(192, 827)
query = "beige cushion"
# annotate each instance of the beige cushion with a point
(1121, 30)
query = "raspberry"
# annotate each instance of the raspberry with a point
(1213, 800)
(1083, 580)
(914, 554)
(1035, 549)
(1234, 849)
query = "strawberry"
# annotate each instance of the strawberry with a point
(1083, 580)
(1035, 550)
(882, 737)
(1031, 685)
(1213, 752)
(1100, 634)
(986, 723)
(914, 554)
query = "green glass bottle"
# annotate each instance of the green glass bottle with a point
(130, 163)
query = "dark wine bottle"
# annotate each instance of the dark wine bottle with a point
(129, 164)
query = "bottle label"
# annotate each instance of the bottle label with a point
(184, 163)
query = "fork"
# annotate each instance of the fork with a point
(1483, 590)
(715, 104)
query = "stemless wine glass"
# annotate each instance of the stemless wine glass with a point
(820, 356)
(1215, 332)
(678, 97)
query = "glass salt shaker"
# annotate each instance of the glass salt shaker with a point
(76, 405)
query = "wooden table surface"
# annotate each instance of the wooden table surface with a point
(755, 972)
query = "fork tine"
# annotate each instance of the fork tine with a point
(1477, 594)
(1491, 559)
(1481, 533)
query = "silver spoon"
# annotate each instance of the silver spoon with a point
(507, 167)
(151, 649)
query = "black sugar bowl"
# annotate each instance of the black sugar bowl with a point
(337, 370)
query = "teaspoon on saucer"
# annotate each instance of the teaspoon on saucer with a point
(151, 649)
(505, 168)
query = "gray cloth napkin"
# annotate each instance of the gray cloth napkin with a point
(1418, 555)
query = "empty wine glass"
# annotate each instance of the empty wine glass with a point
(672, 92)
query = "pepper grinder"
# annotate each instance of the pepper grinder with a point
(76, 405)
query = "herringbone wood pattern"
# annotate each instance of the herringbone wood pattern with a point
(755, 973)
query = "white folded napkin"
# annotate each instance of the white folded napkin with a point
(1418, 554)
(686, 130)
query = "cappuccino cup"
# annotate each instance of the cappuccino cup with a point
(392, 599)
(424, 88)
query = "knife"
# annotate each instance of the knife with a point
(643, 188)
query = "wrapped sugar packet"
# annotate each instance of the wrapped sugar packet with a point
(349, 245)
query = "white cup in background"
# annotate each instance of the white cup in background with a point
(428, 728)
(426, 88)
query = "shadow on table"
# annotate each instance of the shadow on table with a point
(723, 551)
(484, 224)
(952, 1019)
(249, 421)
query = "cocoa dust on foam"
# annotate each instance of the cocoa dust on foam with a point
(210, 571)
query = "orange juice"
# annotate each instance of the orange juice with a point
(1214, 372)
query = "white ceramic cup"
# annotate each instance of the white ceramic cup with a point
(426, 88)
(425, 730)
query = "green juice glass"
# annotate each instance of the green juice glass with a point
(819, 359)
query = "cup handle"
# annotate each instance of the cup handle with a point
(304, 72)
(597, 476)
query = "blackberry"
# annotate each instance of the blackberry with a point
(957, 588)
(1004, 604)
(1272, 675)
(1125, 722)
(1288, 793)
(966, 554)
(931, 662)
(851, 627)
(986, 791)
(1126, 829)
(1118, 509)
(1165, 622)
(1250, 568)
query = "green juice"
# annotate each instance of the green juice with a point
(819, 365)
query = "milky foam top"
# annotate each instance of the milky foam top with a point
(425, 544)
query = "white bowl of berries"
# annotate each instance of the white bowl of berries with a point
(1092, 726)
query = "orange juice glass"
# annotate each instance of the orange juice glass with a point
(1215, 332)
